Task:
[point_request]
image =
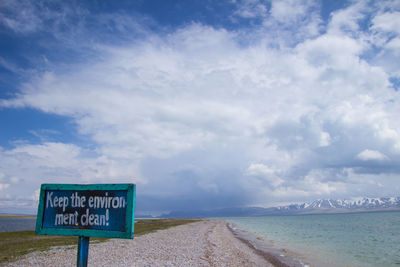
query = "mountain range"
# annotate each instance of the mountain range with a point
(320, 206)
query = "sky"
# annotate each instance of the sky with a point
(202, 104)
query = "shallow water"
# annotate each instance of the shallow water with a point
(362, 239)
(9, 224)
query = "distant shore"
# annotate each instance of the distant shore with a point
(204, 243)
(11, 223)
(5, 215)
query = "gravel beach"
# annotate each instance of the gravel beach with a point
(204, 243)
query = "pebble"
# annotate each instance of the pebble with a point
(204, 243)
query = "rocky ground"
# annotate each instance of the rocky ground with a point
(204, 243)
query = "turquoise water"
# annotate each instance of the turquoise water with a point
(362, 239)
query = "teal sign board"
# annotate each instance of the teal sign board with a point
(95, 210)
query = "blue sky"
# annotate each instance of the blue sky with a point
(202, 104)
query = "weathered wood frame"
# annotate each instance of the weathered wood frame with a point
(130, 214)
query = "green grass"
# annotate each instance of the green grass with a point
(16, 244)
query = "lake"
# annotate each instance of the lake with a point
(9, 224)
(361, 239)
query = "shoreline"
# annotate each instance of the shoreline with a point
(209, 242)
(271, 255)
(218, 242)
(205, 243)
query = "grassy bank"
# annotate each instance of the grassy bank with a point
(16, 244)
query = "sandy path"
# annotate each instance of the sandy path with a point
(205, 243)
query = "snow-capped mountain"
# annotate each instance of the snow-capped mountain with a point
(314, 207)
(357, 204)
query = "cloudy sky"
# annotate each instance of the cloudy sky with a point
(202, 104)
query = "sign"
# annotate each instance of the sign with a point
(95, 210)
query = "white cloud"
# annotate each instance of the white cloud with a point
(367, 155)
(292, 113)
(325, 139)
(289, 10)
(317, 183)
(290, 192)
(267, 173)
(389, 22)
(331, 51)
(21, 17)
(251, 9)
(31, 165)
(197, 88)
(4, 186)
(347, 21)
(259, 169)
(385, 35)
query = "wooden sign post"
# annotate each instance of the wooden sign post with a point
(94, 210)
